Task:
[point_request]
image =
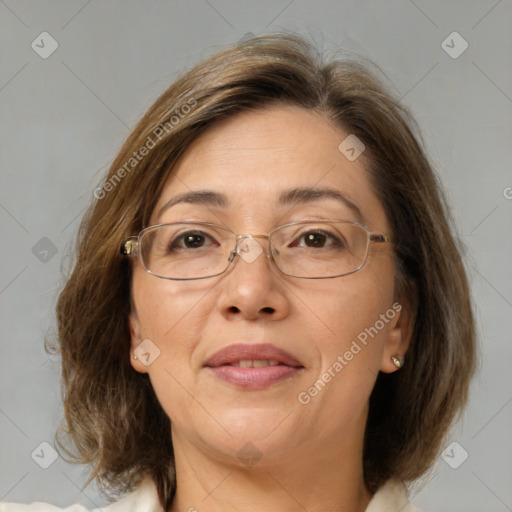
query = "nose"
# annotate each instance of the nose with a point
(252, 288)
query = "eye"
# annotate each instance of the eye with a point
(192, 240)
(317, 239)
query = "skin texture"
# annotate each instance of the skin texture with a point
(251, 158)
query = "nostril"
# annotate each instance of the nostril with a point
(268, 310)
(234, 309)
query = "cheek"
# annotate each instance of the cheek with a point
(349, 317)
(172, 315)
(349, 344)
(161, 304)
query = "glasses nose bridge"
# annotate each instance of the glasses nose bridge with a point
(250, 251)
(251, 235)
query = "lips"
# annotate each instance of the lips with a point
(242, 353)
(253, 367)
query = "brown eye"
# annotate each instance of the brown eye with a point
(191, 240)
(318, 239)
(315, 239)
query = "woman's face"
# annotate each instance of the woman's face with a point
(340, 332)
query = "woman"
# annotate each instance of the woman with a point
(289, 311)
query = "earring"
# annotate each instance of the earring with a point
(134, 356)
(397, 361)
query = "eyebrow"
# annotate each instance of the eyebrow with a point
(204, 197)
(292, 197)
(303, 195)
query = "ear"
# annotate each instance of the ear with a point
(135, 341)
(399, 337)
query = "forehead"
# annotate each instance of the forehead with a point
(254, 157)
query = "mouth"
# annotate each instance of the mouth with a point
(254, 367)
(254, 363)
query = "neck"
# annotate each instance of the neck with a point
(316, 476)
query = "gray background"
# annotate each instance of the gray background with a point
(64, 118)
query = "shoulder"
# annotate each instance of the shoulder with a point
(392, 496)
(143, 499)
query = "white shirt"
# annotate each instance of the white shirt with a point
(391, 497)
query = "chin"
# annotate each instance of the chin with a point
(267, 428)
(248, 450)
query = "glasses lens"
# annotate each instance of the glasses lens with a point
(186, 251)
(320, 249)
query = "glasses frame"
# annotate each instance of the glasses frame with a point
(130, 247)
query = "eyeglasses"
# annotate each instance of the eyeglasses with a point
(198, 250)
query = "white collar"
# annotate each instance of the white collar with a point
(143, 499)
(392, 496)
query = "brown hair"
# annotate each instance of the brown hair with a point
(112, 416)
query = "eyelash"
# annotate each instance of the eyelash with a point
(176, 242)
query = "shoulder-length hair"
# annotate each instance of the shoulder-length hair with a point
(113, 419)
